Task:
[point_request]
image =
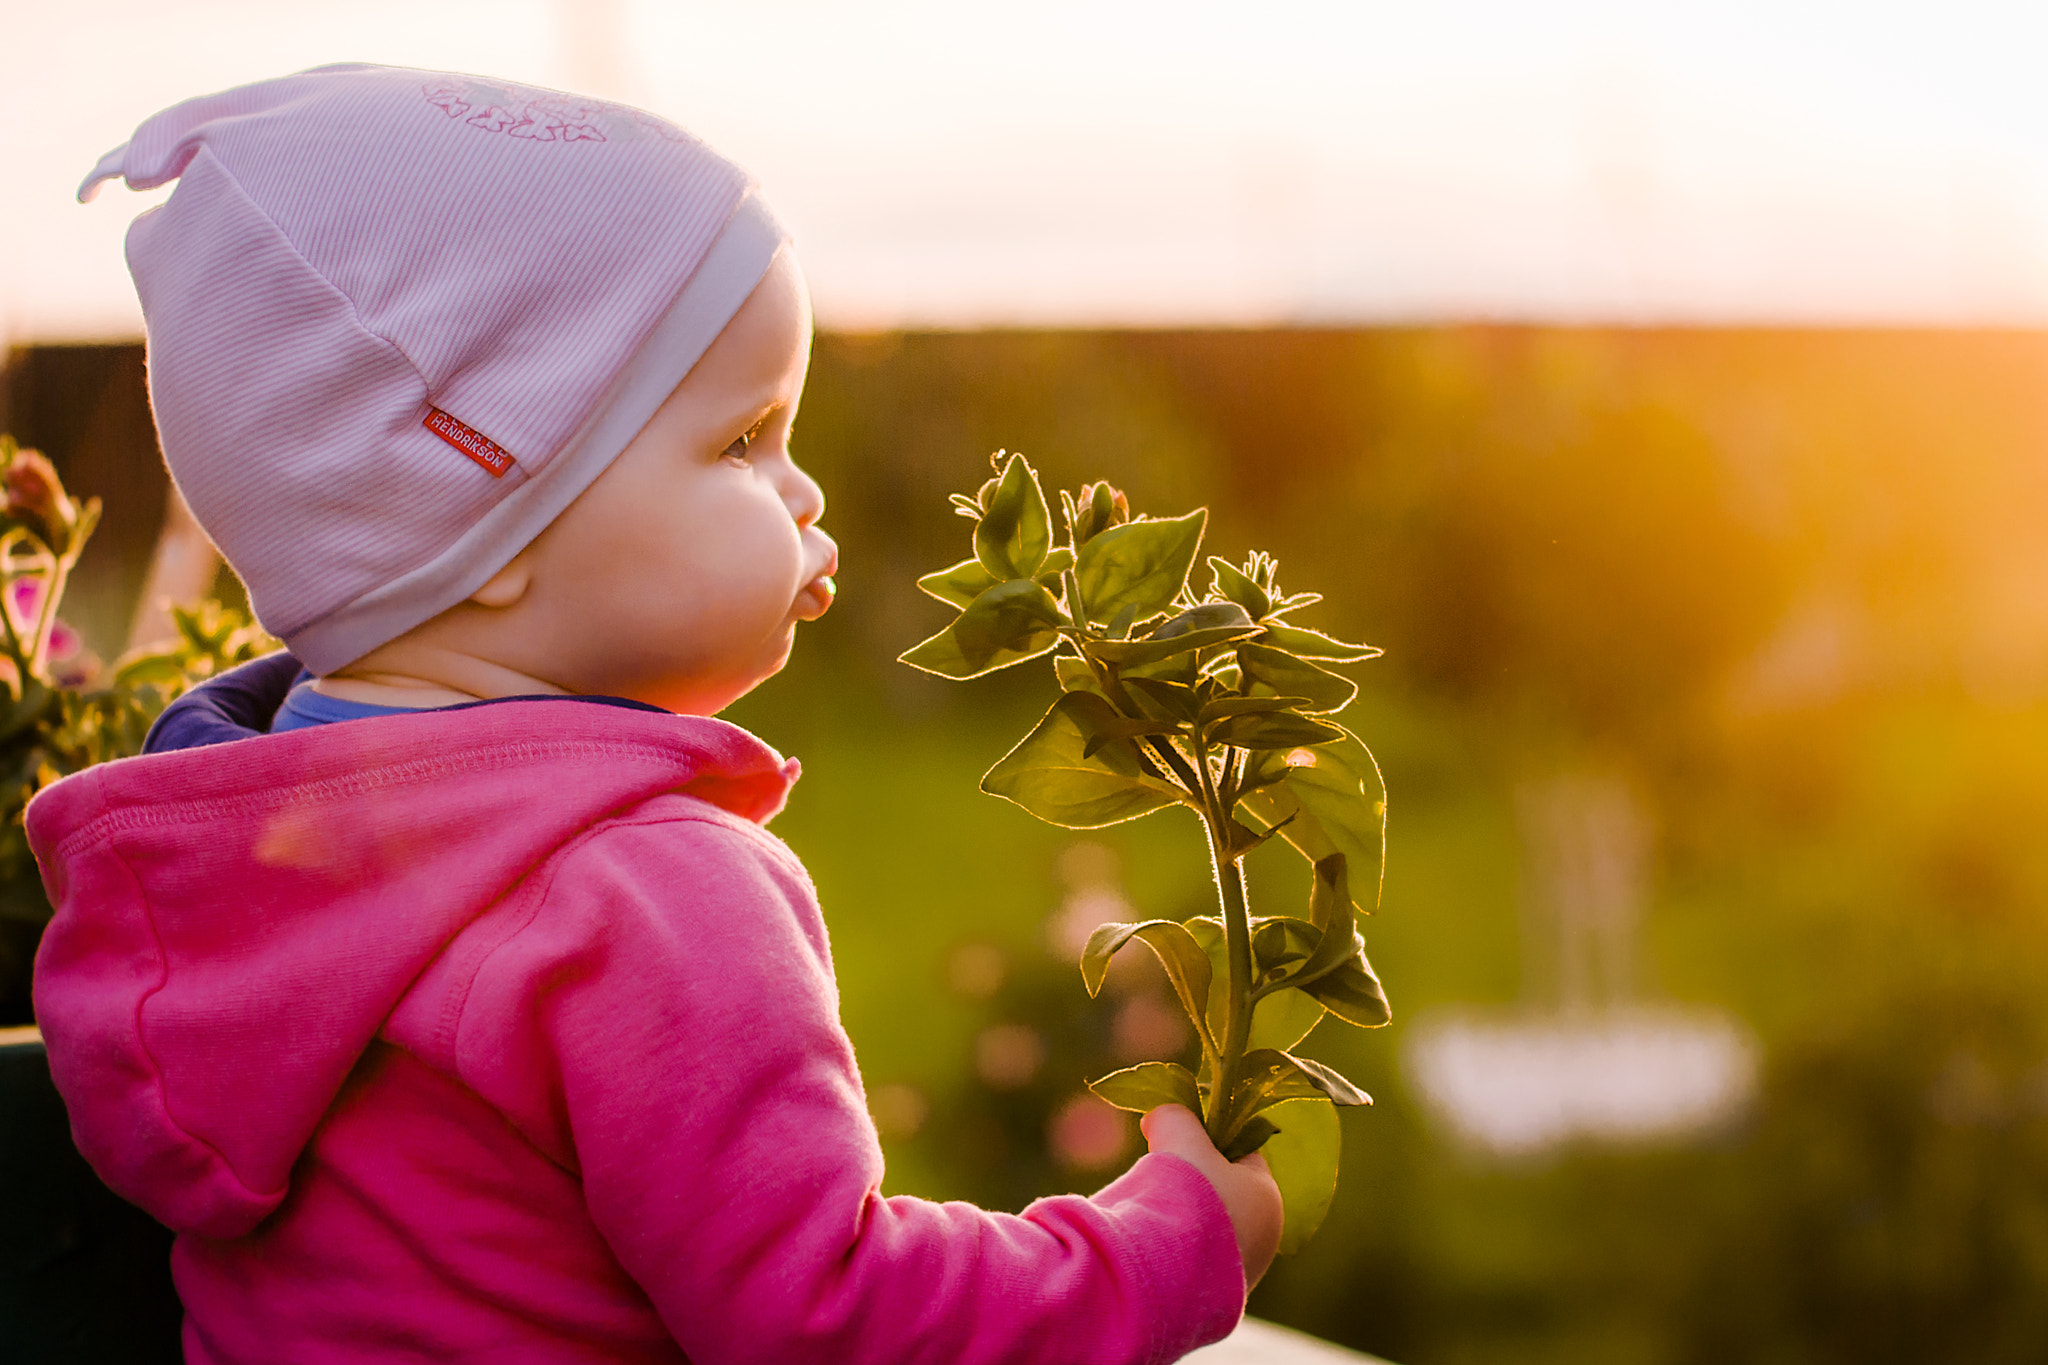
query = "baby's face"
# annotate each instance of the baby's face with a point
(679, 576)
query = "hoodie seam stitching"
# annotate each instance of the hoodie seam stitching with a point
(461, 1009)
(163, 1094)
(561, 860)
(496, 756)
(459, 1002)
(716, 817)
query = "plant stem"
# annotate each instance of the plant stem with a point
(46, 618)
(12, 643)
(1237, 946)
(10, 639)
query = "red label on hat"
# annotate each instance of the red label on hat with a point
(469, 441)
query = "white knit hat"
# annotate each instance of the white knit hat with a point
(398, 320)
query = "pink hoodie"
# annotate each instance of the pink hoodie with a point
(507, 1033)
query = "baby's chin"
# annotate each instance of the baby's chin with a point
(705, 700)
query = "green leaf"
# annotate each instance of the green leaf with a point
(1145, 1087)
(17, 716)
(1253, 1134)
(158, 667)
(1353, 994)
(1011, 622)
(1292, 677)
(1174, 700)
(1101, 722)
(959, 585)
(1141, 565)
(1243, 839)
(1132, 653)
(1281, 941)
(1283, 1019)
(1057, 561)
(1187, 966)
(1247, 706)
(1207, 616)
(1103, 943)
(1125, 727)
(1230, 583)
(1274, 730)
(1338, 1089)
(1015, 533)
(1280, 1020)
(1321, 958)
(1333, 801)
(1048, 774)
(1075, 675)
(1312, 644)
(1270, 1076)
(1329, 911)
(1303, 1155)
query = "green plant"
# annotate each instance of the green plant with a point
(1219, 704)
(61, 710)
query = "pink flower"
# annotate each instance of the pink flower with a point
(25, 596)
(65, 643)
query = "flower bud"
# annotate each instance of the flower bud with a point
(36, 495)
(1101, 508)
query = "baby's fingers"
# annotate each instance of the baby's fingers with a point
(1246, 1187)
(1174, 1128)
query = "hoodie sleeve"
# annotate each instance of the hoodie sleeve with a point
(667, 1024)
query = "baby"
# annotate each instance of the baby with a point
(437, 981)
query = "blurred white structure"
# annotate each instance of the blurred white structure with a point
(1582, 1059)
(1517, 1087)
(1261, 1343)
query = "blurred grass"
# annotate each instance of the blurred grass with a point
(1793, 586)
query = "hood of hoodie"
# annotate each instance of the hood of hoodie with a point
(236, 920)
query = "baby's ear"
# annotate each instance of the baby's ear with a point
(506, 586)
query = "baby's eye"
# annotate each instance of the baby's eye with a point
(738, 449)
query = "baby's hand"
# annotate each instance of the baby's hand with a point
(1246, 1187)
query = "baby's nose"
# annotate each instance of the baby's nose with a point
(806, 501)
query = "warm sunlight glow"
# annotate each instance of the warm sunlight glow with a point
(1132, 161)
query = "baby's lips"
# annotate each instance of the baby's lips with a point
(819, 593)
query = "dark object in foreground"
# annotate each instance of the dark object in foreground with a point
(85, 1277)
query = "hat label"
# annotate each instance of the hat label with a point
(469, 441)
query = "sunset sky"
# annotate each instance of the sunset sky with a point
(1131, 162)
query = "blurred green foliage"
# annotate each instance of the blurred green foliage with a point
(1794, 585)
(61, 709)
